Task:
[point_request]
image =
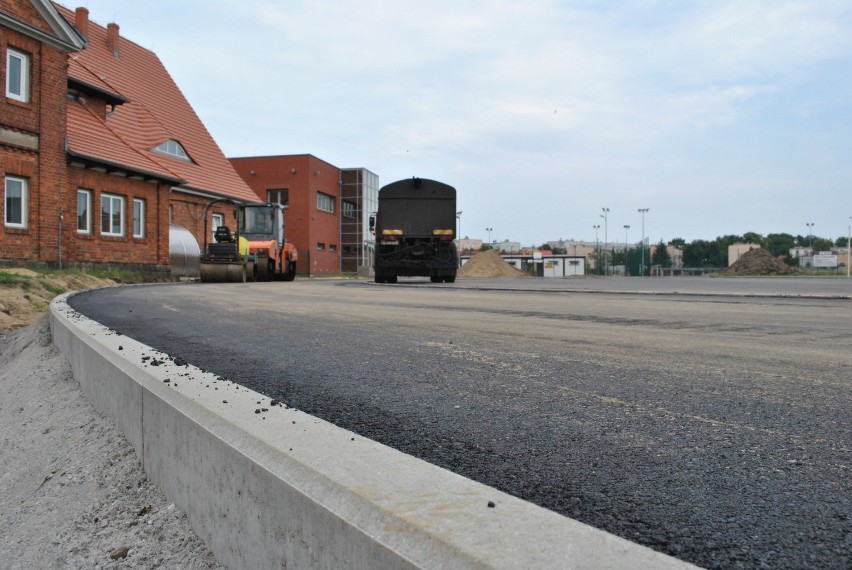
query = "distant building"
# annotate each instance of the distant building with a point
(737, 250)
(328, 208)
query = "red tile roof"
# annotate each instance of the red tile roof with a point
(156, 111)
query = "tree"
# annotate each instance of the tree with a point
(753, 237)
(842, 241)
(779, 244)
(821, 244)
(485, 247)
(545, 247)
(677, 242)
(698, 253)
(661, 255)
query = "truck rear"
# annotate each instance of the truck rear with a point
(415, 228)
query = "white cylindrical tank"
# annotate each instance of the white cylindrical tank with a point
(184, 253)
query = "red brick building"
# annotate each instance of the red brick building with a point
(328, 208)
(99, 150)
(310, 187)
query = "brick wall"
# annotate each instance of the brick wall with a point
(306, 226)
(41, 119)
(151, 249)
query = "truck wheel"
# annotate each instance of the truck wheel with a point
(263, 269)
(391, 279)
(449, 279)
(436, 279)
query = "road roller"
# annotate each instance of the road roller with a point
(257, 250)
(227, 259)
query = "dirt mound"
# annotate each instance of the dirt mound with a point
(489, 264)
(758, 261)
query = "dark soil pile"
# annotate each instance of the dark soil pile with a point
(758, 261)
(488, 264)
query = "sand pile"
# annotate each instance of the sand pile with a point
(488, 264)
(758, 261)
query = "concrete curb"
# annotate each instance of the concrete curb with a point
(265, 486)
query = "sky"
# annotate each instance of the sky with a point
(720, 117)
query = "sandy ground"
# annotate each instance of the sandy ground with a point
(72, 492)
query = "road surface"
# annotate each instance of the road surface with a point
(707, 419)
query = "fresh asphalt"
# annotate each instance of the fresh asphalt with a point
(715, 428)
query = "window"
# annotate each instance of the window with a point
(84, 211)
(347, 209)
(325, 202)
(17, 75)
(173, 148)
(332, 248)
(278, 196)
(218, 220)
(112, 215)
(16, 202)
(320, 246)
(138, 218)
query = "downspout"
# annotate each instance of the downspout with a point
(61, 219)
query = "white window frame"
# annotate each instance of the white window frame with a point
(23, 85)
(139, 218)
(218, 220)
(21, 184)
(111, 211)
(174, 149)
(321, 197)
(88, 217)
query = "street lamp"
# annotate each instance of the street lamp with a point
(489, 234)
(461, 251)
(626, 227)
(643, 211)
(810, 233)
(606, 238)
(848, 246)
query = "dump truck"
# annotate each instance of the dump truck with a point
(414, 228)
(257, 250)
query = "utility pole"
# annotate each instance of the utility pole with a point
(597, 248)
(461, 251)
(643, 211)
(626, 272)
(606, 239)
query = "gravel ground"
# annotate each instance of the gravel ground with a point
(72, 492)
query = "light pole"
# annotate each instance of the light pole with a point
(848, 246)
(643, 211)
(626, 272)
(458, 217)
(597, 248)
(810, 234)
(489, 234)
(606, 238)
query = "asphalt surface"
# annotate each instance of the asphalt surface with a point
(713, 425)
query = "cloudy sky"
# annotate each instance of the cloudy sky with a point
(721, 117)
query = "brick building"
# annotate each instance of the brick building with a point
(99, 150)
(328, 208)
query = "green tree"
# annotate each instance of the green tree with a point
(485, 247)
(661, 255)
(753, 237)
(677, 242)
(699, 253)
(545, 247)
(779, 244)
(821, 244)
(842, 241)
